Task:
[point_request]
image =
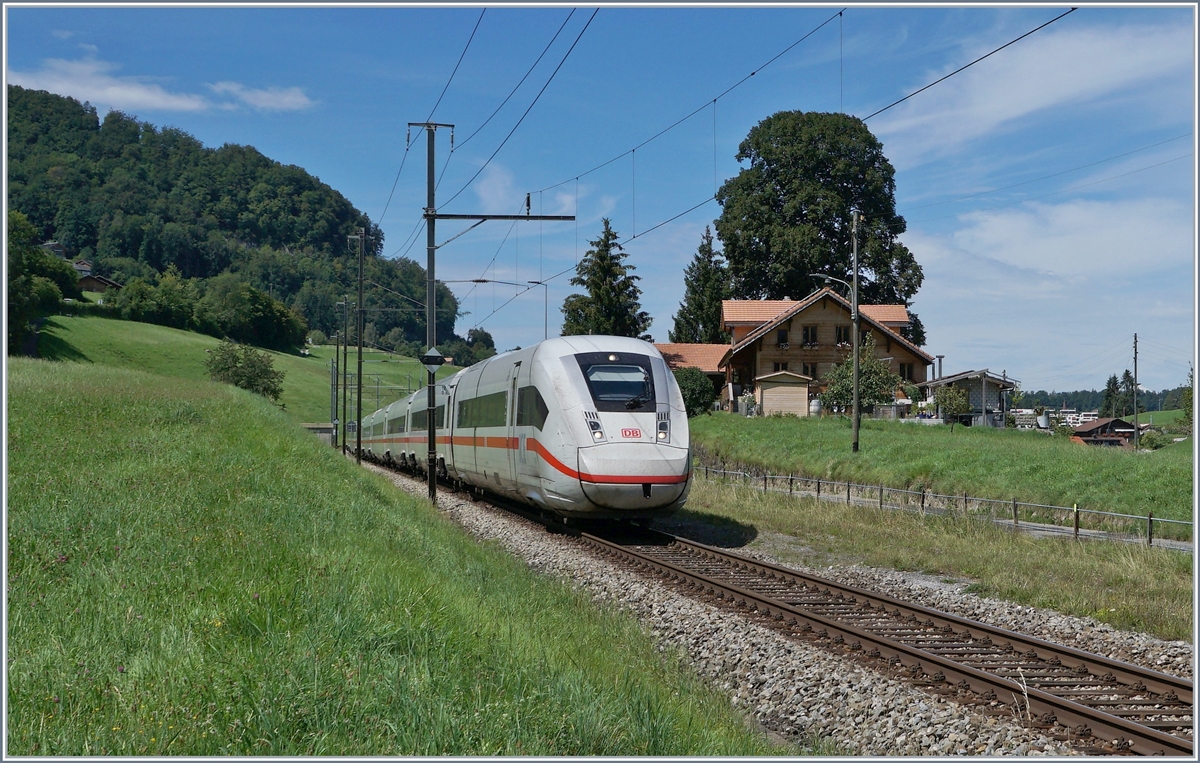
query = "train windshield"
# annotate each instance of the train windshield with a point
(618, 382)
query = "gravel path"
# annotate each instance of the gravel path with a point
(798, 691)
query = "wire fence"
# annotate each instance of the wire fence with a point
(1066, 520)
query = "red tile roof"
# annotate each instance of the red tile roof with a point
(753, 311)
(889, 315)
(811, 299)
(702, 356)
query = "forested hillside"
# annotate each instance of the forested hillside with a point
(141, 202)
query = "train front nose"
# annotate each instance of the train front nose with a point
(634, 476)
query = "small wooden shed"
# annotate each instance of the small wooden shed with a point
(782, 392)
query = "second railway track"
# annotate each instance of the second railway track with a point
(1107, 705)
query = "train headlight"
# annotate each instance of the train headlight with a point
(597, 431)
(664, 431)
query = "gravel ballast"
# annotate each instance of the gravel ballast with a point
(799, 691)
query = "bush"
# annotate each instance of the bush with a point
(245, 367)
(317, 337)
(697, 390)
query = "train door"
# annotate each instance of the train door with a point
(514, 443)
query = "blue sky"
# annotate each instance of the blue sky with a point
(1049, 189)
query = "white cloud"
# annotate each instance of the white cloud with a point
(269, 99)
(1049, 70)
(1100, 238)
(1054, 293)
(94, 81)
(90, 79)
(62, 34)
(495, 191)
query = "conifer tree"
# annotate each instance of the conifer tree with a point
(706, 283)
(611, 304)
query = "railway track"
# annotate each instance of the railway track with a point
(1102, 705)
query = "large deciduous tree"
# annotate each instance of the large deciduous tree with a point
(788, 214)
(705, 284)
(611, 304)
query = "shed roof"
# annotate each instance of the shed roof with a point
(784, 376)
(706, 357)
(1092, 426)
(992, 378)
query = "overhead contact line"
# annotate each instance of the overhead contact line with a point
(967, 66)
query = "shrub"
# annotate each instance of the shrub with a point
(245, 367)
(317, 337)
(697, 390)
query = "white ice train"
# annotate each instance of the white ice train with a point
(579, 426)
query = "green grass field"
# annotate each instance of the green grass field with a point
(191, 574)
(181, 354)
(987, 463)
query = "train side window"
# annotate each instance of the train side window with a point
(483, 411)
(396, 425)
(531, 408)
(420, 418)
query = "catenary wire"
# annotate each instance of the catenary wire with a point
(518, 85)
(956, 71)
(705, 105)
(531, 105)
(404, 158)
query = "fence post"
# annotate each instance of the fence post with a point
(847, 492)
(1016, 519)
(964, 503)
(881, 497)
(922, 500)
(764, 482)
(818, 487)
(1075, 510)
(791, 478)
(1149, 528)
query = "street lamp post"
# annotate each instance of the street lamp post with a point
(854, 318)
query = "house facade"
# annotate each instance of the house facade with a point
(807, 338)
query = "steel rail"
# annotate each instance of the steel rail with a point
(1052, 708)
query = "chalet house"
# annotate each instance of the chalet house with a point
(806, 339)
(92, 282)
(82, 267)
(54, 248)
(1105, 432)
(985, 394)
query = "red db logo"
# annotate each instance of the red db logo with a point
(631, 434)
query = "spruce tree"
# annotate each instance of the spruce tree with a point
(706, 283)
(610, 305)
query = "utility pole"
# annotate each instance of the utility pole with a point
(432, 359)
(362, 248)
(333, 388)
(1135, 391)
(857, 330)
(345, 304)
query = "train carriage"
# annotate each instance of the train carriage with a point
(584, 426)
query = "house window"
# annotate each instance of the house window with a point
(843, 334)
(781, 336)
(906, 371)
(780, 366)
(810, 334)
(810, 370)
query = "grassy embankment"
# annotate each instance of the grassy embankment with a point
(189, 573)
(175, 353)
(1128, 586)
(986, 463)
